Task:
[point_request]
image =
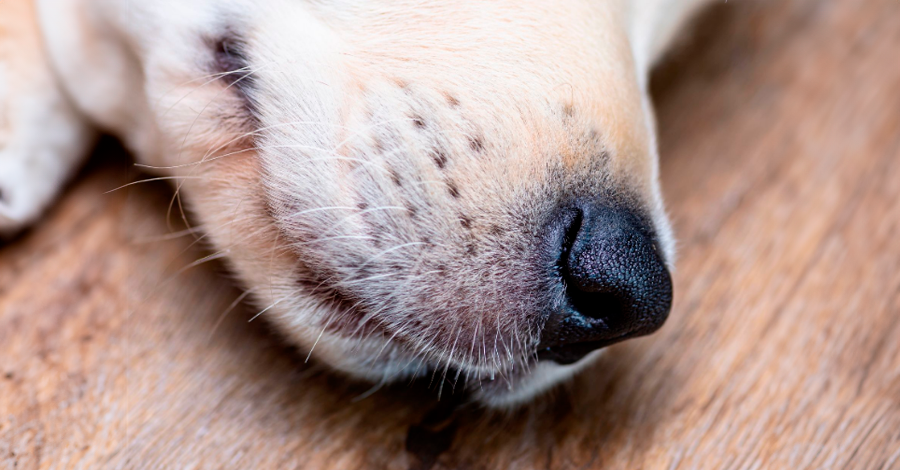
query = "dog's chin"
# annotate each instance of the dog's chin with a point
(371, 353)
(518, 389)
(509, 389)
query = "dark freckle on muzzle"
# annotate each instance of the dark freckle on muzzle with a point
(471, 250)
(477, 144)
(395, 178)
(451, 100)
(615, 281)
(440, 158)
(453, 189)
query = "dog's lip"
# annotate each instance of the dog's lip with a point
(346, 323)
(572, 353)
(347, 312)
(350, 319)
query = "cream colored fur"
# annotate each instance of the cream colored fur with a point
(42, 137)
(373, 171)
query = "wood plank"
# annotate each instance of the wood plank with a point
(781, 166)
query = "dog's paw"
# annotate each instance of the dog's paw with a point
(36, 162)
(23, 193)
(43, 138)
(42, 141)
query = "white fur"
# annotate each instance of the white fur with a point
(355, 100)
(42, 137)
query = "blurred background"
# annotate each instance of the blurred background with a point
(120, 347)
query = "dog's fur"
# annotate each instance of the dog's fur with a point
(373, 171)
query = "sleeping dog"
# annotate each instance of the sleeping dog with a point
(459, 188)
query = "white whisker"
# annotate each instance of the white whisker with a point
(267, 308)
(231, 307)
(150, 180)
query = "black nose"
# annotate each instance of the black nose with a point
(616, 283)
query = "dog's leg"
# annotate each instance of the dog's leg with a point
(654, 25)
(42, 137)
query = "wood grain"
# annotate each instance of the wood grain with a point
(780, 130)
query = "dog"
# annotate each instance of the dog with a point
(450, 188)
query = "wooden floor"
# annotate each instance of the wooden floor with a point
(780, 130)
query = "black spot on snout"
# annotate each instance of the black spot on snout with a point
(418, 121)
(465, 221)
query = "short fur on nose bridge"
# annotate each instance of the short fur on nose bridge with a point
(616, 283)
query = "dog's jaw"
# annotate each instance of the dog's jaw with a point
(337, 129)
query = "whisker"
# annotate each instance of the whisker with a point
(368, 128)
(369, 392)
(228, 310)
(320, 209)
(342, 237)
(372, 278)
(184, 145)
(268, 308)
(318, 338)
(390, 250)
(212, 78)
(150, 180)
(259, 131)
(449, 360)
(355, 214)
(166, 237)
(386, 343)
(205, 259)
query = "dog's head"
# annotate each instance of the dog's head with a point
(466, 189)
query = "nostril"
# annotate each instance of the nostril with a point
(584, 299)
(575, 217)
(602, 306)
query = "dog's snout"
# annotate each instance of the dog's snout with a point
(615, 281)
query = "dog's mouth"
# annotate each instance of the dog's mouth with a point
(349, 316)
(572, 353)
(352, 319)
